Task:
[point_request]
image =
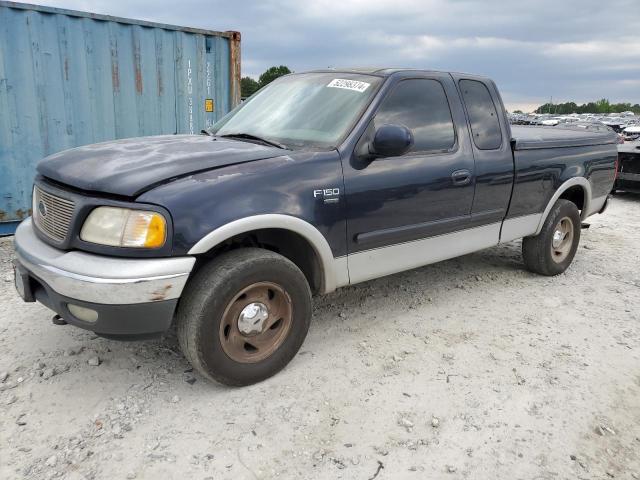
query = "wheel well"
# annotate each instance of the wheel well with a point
(285, 242)
(574, 194)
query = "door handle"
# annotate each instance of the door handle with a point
(461, 177)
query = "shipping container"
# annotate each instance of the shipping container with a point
(71, 78)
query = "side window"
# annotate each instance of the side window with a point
(420, 105)
(485, 126)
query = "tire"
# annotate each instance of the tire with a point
(218, 303)
(540, 253)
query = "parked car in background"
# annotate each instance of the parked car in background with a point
(616, 122)
(596, 126)
(628, 178)
(319, 180)
(631, 133)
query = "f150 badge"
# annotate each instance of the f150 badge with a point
(330, 195)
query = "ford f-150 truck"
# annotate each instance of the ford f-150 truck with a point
(319, 180)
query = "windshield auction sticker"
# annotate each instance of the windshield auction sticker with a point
(349, 84)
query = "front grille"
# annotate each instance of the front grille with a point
(52, 214)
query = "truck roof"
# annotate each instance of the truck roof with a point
(386, 71)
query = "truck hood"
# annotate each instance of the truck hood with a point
(129, 167)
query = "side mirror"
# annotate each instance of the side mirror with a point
(391, 141)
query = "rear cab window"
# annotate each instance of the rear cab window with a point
(483, 116)
(421, 105)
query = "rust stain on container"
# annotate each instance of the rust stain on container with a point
(137, 67)
(235, 73)
(138, 79)
(115, 77)
(159, 67)
(115, 68)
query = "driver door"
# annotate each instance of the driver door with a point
(396, 203)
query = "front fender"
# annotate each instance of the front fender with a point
(273, 193)
(334, 270)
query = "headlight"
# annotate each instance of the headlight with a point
(123, 227)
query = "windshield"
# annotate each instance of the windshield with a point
(301, 110)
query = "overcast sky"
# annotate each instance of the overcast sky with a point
(577, 50)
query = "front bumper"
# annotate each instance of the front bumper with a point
(131, 296)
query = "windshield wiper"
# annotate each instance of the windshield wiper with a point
(248, 136)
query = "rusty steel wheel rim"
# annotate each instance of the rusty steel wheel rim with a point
(562, 240)
(256, 322)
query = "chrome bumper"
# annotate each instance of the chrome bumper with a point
(100, 279)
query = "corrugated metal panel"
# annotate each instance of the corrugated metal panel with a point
(72, 78)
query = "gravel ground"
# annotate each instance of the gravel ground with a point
(471, 368)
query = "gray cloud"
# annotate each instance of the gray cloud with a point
(570, 49)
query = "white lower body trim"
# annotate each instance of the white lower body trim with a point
(595, 205)
(340, 273)
(519, 227)
(383, 261)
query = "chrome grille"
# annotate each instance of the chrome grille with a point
(52, 214)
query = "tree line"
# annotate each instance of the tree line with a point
(600, 106)
(248, 86)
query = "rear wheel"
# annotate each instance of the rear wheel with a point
(552, 250)
(244, 316)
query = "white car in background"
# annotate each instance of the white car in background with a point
(631, 133)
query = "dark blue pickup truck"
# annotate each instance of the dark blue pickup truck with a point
(319, 180)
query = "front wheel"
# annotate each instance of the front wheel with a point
(244, 316)
(552, 250)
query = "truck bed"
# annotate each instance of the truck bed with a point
(546, 157)
(535, 137)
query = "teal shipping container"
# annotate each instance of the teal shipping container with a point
(71, 78)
